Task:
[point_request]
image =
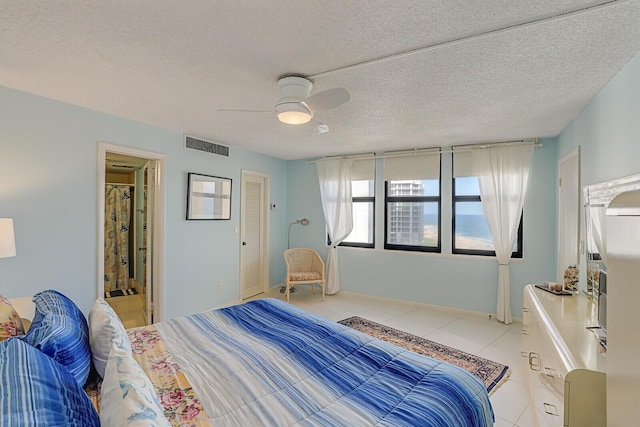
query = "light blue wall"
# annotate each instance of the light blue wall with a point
(466, 282)
(48, 180)
(608, 133)
(608, 129)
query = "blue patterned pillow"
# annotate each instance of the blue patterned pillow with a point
(52, 301)
(37, 391)
(60, 331)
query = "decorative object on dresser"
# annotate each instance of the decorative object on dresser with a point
(571, 278)
(567, 365)
(554, 288)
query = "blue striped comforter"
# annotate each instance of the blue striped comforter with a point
(269, 363)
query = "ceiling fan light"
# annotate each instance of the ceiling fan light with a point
(292, 113)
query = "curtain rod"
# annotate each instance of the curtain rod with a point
(431, 151)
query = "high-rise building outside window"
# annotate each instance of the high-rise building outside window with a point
(412, 203)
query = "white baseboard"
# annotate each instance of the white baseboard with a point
(454, 310)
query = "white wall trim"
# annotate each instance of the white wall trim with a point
(159, 220)
(452, 310)
(561, 223)
(491, 258)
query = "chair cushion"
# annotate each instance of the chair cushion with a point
(305, 275)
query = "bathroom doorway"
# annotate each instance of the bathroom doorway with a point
(130, 207)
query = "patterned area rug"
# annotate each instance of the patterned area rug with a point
(120, 292)
(492, 374)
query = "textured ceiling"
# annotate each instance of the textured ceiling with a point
(475, 71)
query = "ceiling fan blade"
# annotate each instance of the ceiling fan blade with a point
(327, 99)
(234, 110)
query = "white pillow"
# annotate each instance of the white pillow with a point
(128, 397)
(105, 328)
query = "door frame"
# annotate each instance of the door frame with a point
(265, 230)
(562, 246)
(158, 246)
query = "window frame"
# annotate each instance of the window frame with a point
(478, 252)
(362, 199)
(413, 199)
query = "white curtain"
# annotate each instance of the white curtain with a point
(334, 177)
(503, 174)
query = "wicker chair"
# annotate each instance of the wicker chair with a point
(304, 267)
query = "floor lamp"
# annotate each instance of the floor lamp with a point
(303, 221)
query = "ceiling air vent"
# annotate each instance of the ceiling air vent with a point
(206, 146)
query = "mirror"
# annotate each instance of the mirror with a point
(596, 247)
(596, 200)
(208, 197)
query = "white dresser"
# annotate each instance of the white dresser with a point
(567, 365)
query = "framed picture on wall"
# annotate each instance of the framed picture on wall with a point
(208, 197)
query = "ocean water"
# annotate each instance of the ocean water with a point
(466, 225)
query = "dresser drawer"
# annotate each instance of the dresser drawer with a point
(549, 407)
(562, 358)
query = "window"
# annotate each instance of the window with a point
(471, 233)
(363, 196)
(412, 202)
(362, 193)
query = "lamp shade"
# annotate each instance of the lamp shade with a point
(293, 113)
(7, 238)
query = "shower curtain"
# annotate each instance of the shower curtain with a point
(116, 236)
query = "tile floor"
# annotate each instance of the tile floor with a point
(475, 334)
(130, 309)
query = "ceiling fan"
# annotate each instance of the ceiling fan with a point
(296, 107)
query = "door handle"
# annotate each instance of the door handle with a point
(550, 409)
(244, 243)
(534, 361)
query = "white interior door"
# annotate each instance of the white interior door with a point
(253, 244)
(568, 211)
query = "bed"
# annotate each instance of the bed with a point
(266, 362)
